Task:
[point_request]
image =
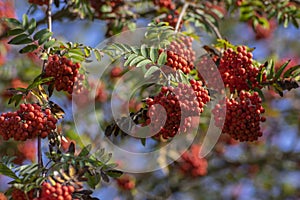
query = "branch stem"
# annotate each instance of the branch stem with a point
(184, 8)
(49, 24)
(210, 24)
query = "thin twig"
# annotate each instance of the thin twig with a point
(210, 24)
(49, 24)
(185, 6)
(49, 19)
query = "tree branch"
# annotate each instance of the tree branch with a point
(210, 24)
(185, 6)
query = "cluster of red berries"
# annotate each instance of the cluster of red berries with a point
(39, 2)
(243, 116)
(56, 192)
(237, 70)
(191, 164)
(98, 4)
(28, 122)
(18, 194)
(126, 182)
(180, 54)
(181, 104)
(66, 74)
(165, 4)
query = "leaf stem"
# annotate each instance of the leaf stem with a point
(185, 6)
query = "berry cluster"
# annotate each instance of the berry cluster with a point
(20, 195)
(39, 2)
(243, 116)
(28, 122)
(191, 164)
(180, 54)
(237, 70)
(165, 4)
(56, 192)
(66, 74)
(126, 182)
(181, 104)
(98, 4)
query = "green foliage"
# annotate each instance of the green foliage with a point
(22, 32)
(284, 11)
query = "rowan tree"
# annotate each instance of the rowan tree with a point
(153, 99)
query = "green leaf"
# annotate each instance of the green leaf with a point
(281, 69)
(16, 98)
(151, 70)
(162, 59)
(106, 158)
(15, 31)
(87, 52)
(295, 22)
(20, 39)
(32, 26)
(93, 180)
(4, 170)
(144, 51)
(131, 26)
(114, 173)
(143, 141)
(49, 44)
(144, 63)
(13, 21)
(104, 177)
(129, 59)
(25, 21)
(28, 169)
(44, 37)
(289, 72)
(286, 22)
(28, 48)
(153, 54)
(136, 60)
(270, 69)
(38, 34)
(76, 58)
(97, 54)
(85, 151)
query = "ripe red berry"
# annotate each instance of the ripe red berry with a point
(126, 182)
